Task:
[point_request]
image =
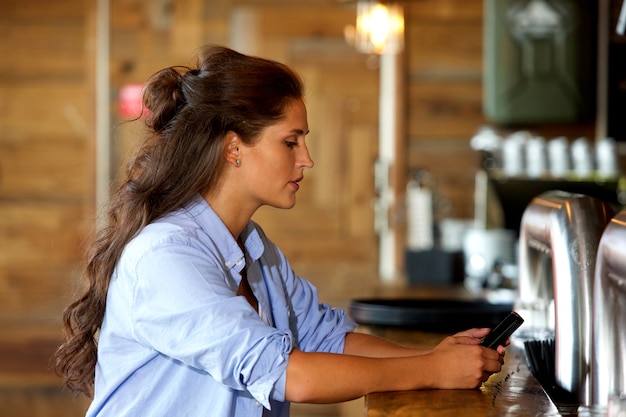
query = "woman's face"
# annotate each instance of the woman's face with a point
(275, 164)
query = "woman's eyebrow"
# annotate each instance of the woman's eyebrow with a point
(301, 132)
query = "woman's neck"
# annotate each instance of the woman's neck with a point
(231, 212)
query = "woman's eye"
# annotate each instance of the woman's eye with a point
(291, 144)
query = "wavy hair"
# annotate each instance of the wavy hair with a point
(189, 112)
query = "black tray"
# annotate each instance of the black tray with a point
(433, 315)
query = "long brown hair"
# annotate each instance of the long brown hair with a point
(190, 111)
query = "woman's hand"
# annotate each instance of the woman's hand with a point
(460, 361)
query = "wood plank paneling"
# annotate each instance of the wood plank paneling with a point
(28, 299)
(444, 109)
(448, 51)
(445, 11)
(187, 18)
(51, 110)
(46, 125)
(321, 22)
(444, 103)
(42, 50)
(39, 231)
(362, 148)
(444, 97)
(46, 402)
(42, 11)
(33, 168)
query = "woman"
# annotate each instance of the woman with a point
(191, 310)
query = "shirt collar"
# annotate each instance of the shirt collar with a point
(211, 223)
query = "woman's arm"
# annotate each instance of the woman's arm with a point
(457, 362)
(361, 344)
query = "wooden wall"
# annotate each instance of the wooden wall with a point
(444, 76)
(46, 183)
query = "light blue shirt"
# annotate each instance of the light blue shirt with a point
(177, 341)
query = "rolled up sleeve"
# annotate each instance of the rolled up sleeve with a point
(317, 327)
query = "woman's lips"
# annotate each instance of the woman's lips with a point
(295, 183)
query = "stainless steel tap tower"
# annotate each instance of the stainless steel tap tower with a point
(563, 228)
(608, 367)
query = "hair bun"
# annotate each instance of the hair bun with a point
(163, 97)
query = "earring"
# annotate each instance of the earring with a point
(238, 161)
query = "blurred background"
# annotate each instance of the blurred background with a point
(70, 73)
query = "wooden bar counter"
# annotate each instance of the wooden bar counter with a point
(513, 392)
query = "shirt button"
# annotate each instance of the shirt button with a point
(257, 404)
(227, 264)
(239, 262)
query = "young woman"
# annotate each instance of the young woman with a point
(191, 310)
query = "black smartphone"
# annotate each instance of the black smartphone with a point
(502, 331)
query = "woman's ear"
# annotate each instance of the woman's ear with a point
(231, 148)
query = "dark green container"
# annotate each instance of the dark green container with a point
(539, 61)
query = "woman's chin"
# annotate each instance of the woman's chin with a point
(284, 205)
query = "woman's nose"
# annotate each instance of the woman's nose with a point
(305, 159)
